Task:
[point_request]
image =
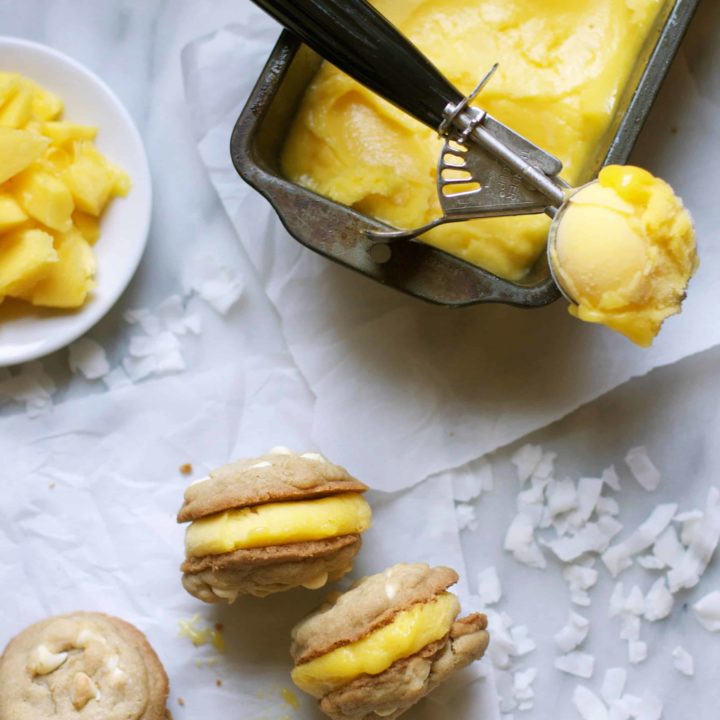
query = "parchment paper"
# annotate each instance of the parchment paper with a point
(425, 388)
(90, 524)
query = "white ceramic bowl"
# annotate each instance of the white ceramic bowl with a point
(32, 333)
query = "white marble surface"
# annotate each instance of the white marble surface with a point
(135, 46)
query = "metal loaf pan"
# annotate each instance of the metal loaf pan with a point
(339, 232)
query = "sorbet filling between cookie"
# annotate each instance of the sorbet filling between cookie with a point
(280, 523)
(409, 632)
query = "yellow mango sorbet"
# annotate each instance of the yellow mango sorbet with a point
(563, 69)
(408, 633)
(624, 252)
(280, 523)
(54, 187)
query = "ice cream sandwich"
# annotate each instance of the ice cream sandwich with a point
(271, 523)
(377, 649)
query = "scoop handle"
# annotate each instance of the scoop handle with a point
(356, 38)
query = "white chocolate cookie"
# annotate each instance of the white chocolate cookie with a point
(84, 666)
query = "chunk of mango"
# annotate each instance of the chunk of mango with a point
(16, 111)
(54, 186)
(11, 214)
(45, 197)
(46, 105)
(88, 225)
(90, 179)
(9, 83)
(26, 256)
(68, 281)
(61, 131)
(18, 149)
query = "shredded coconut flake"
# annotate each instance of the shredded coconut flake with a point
(647, 707)
(520, 541)
(526, 460)
(580, 579)
(573, 634)
(643, 469)
(116, 378)
(148, 321)
(707, 611)
(466, 516)
(489, 588)
(562, 497)
(524, 644)
(589, 705)
(607, 506)
(504, 685)
(630, 627)
(658, 602)
(88, 357)
(473, 481)
(613, 684)
(217, 284)
(683, 661)
(611, 479)
(635, 603)
(589, 491)
(522, 685)
(176, 319)
(31, 387)
(576, 663)
(592, 538)
(637, 651)
(153, 355)
(619, 557)
(702, 543)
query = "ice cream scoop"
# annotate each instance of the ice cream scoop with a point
(622, 250)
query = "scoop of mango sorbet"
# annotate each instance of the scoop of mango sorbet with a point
(624, 252)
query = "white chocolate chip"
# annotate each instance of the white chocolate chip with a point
(44, 662)
(83, 691)
(262, 464)
(115, 675)
(229, 595)
(390, 591)
(280, 450)
(88, 636)
(317, 457)
(317, 582)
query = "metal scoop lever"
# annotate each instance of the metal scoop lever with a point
(485, 168)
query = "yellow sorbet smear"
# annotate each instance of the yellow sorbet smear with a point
(54, 187)
(408, 633)
(625, 252)
(279, 523)
(563, 69)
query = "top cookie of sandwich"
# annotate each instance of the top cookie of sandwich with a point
(277, 476)
(84, 666)
(369, 604)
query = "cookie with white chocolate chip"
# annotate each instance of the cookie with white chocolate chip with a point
(269, 524)
(84, 666)
(377, 649)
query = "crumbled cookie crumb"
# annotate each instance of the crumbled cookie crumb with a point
(218, 683)
(181, 702)
(186, 468)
